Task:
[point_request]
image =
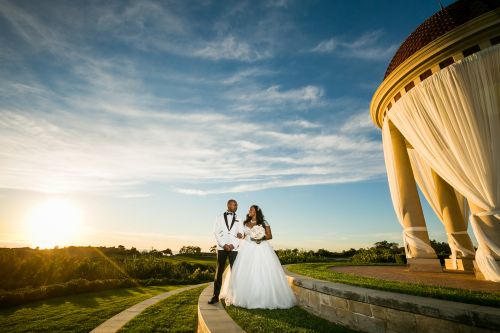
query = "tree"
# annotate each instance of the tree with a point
(386, 245)
(349, 253)
(324, 253)
(441, 248)
(167, 252)
(213, 249)
(190, 250)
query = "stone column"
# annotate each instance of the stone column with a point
(413, 216)
(454, 224)
(491, 228)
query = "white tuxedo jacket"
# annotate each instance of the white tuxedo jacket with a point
(227, 234)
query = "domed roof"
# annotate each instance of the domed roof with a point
(438, 24)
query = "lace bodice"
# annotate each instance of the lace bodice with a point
(246, 229)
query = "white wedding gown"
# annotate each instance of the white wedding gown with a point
(257, 279)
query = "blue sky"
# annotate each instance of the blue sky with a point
(148, 115)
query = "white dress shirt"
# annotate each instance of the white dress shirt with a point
(223, 235)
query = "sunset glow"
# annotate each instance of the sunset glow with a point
(54, 222)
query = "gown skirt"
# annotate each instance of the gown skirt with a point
(257, 279)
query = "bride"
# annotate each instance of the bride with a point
(257, 279)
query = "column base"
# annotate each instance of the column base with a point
(463, 264)
(477, 272)
(424, 265)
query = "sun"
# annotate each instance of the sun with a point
(54, 222)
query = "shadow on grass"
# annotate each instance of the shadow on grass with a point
(84, 300)
(282, 320)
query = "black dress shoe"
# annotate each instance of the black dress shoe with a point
(213, 300)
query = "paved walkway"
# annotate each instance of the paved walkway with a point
(113, 324)
(401, 273)
(213, 318)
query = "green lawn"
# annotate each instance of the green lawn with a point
(282, 320)
(321, 271)
(194, 259)
(75, 313)
(177, 313)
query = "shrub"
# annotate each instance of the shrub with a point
(377, 255)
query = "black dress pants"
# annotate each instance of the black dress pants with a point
(221, 262)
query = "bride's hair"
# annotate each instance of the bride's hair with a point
(259, 216)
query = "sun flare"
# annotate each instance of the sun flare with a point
(54, 222)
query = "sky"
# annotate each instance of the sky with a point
(133, 122)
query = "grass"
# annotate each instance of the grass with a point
(177, 313)
(75, 313)
(282, 320)
(194, 259)
(321, 271)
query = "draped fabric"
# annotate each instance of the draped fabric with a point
(410, 240)
(423, 176)
(452, 120)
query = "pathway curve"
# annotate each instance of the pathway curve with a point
(213, 318)
(116, 322)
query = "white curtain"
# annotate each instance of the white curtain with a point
(452, 120)
(410, 240)
(423, 175)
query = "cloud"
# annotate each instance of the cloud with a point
(361, 121)
(230, 48)
(274, 98)
(246, 74)
(326, 46)
(112, 124)
(365, 47)
(302, 124)
(278, 3)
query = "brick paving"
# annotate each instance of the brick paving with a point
(401, 273)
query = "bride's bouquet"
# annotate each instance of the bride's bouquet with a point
(257, 233)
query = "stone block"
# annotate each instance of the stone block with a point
(345, 317)
(424, 265)
(328, 312)
(486, 317)
(325, 299)
(400, 321)
(435, 325)
(359, 307)
(378, 312)
(463, 264)
(457, 312)
(472, 329)
(314, 300)
(369, 324)
(339, 302)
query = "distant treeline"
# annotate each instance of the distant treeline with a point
(380, 252)
(26, 267)
(33, 274)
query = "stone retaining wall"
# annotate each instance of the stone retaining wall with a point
(376, 311)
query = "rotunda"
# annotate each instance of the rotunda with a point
(439, 110)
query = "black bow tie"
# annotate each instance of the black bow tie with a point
(229, 213)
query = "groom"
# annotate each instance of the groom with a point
(227, 230)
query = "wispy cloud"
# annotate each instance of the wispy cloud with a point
(275, 98)
(366, 47)
(302, 124)
(248, 73)
(112, 124)
(358, 122)
(230, 48)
